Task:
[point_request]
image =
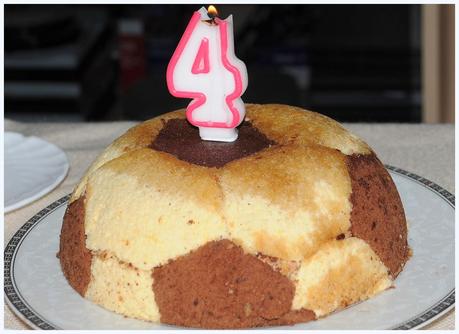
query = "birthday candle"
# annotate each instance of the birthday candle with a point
(205, 69)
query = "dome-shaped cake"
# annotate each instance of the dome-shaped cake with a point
(294, 220)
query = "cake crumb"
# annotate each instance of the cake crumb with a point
(247, 309)
(340, 236)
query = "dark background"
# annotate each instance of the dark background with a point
(108, 62)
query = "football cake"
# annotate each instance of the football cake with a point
(295, 219)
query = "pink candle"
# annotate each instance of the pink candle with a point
(205, 69)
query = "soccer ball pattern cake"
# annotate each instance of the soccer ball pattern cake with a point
(296, 219)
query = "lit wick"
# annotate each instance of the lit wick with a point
(212, 13)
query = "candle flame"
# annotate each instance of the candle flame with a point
(212, 11)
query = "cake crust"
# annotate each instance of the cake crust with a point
(74, 257)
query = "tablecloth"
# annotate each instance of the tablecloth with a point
(427, 150)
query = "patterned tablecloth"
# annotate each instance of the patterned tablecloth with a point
(427, 150)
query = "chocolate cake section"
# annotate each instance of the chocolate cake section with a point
(179, 138)
(377, 214)
(75, 258)
(218, 286)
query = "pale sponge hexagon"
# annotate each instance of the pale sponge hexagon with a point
(293, 125)
(137, 137)
(162, 207)
(122, 288)
(341, 273)
(286, 201)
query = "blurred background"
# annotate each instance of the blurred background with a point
(357, 63)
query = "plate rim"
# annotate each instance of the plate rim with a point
(25, 312)
(21, 203)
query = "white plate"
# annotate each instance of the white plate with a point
(33, 167)
(37, 291)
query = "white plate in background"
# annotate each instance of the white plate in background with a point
(33, 167)
(37, 291)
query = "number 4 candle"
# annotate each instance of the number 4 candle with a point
(205, 69)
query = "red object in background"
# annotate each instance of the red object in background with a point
(132, 52)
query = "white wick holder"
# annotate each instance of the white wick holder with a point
(218, 134)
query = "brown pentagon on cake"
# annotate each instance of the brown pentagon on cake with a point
(294, 220)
